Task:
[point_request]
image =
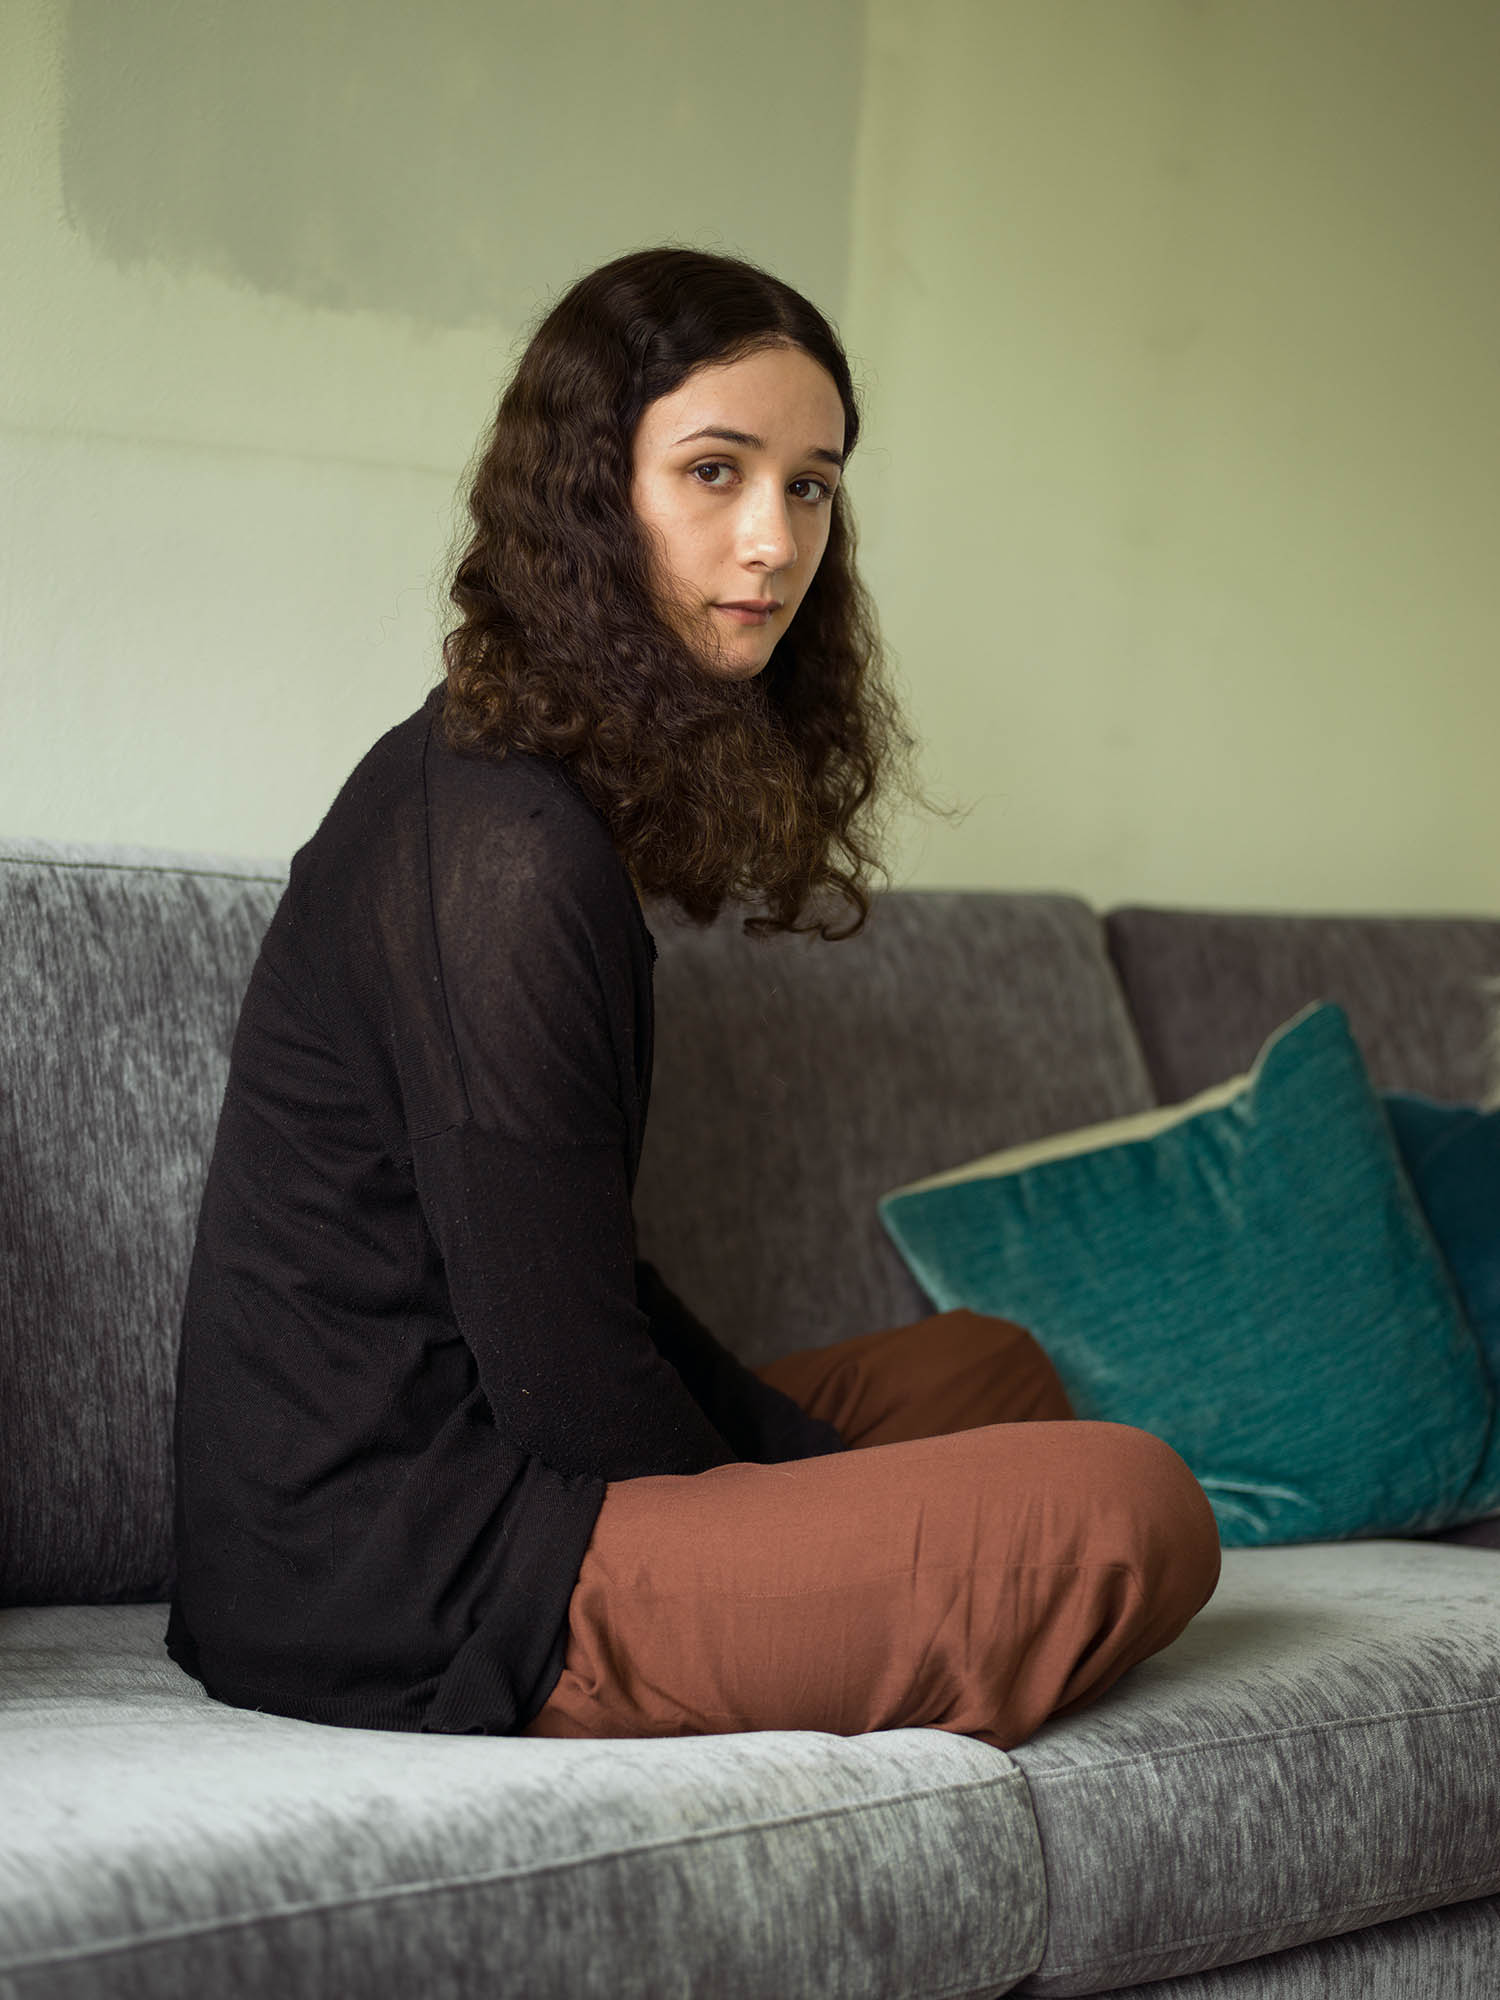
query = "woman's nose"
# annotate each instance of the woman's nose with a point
(766, 531)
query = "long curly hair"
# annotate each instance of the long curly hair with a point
(771, 791)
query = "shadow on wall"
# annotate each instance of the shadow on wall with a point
(448, 161)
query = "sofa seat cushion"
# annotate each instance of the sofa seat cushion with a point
(1315, 1754)
(157, 1844)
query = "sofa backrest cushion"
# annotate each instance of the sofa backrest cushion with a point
(119, 988)
(796, 1081)
(1207, 988)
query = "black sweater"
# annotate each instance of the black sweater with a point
(417, 1341)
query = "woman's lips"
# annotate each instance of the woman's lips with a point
(746, 617)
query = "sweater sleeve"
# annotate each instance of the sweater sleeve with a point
(762, 1423)
(528, 1194)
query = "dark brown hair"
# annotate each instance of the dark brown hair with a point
(767, 790)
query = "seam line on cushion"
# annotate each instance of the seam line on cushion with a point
(1479, 1885)
(401, 1891)
(1070, 1771)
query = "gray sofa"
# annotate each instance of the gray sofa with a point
(1299, 1798)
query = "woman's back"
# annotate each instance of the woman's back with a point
(434, 1112)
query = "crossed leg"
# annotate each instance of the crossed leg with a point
(976, 1562)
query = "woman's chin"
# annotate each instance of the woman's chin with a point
(729, 661)
(741, 669)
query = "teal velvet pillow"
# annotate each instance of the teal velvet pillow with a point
(1249, 1276)
(1451, 1153)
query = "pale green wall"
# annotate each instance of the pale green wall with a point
(1177, 322)
(1184, 510)
(264, 270)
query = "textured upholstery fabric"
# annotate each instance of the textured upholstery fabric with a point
(796, 1081)
(1451, 1954)
(1207, 987)
(1247, 1275)
(120, 980)
(1316, 1753)
(119, 990)
(155, 1846)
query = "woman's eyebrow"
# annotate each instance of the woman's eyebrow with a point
(759, 444)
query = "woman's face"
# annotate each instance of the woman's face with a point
(735, 472)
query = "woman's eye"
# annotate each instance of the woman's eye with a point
(823, 490)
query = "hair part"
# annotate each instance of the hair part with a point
(769, 791)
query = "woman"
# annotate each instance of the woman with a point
(449, 1457)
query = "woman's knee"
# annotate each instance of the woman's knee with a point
(1174, 1536)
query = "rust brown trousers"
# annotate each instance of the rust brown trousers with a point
(977, 1561)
